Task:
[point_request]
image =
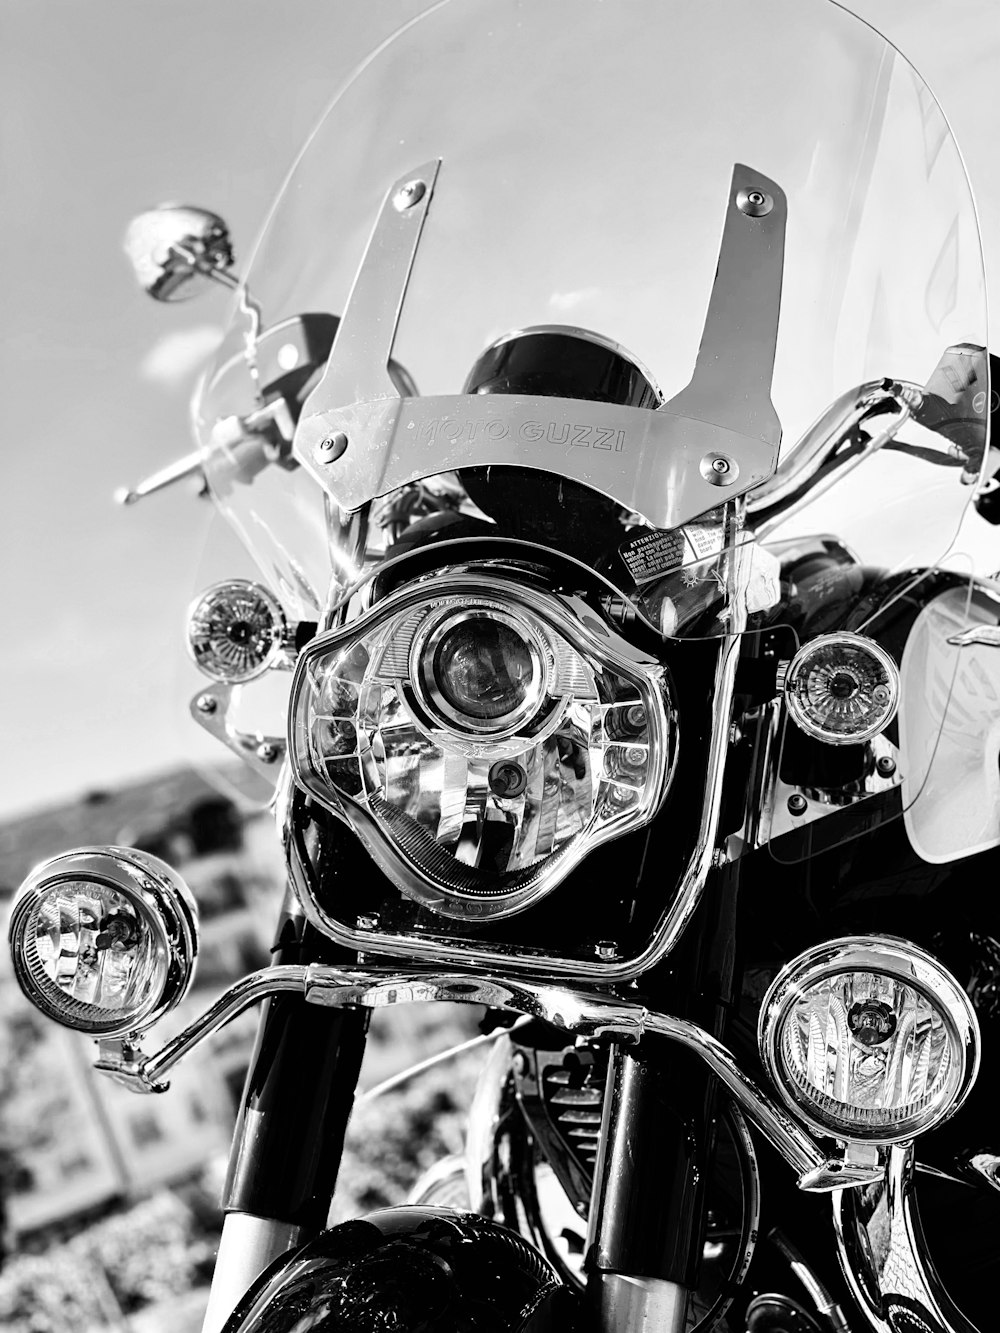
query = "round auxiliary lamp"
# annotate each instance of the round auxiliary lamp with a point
(842, 688)
(104, 939)
(869, 1039)
(236, 631)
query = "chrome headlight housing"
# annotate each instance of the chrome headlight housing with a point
(869, 1039)
(104, 939)
(480, 735)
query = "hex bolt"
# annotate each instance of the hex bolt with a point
(267, 752)
(407, 195)
(881, 694)
(330, 449)
(369, 921)
(206, 704)
(797, 804)
(885, 766)
(754, 203)
(606, 949)
(719, 469)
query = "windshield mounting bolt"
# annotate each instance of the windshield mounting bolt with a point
(885, 765)
(606, 949)
(754, 203)
(719, 469)
(206, 704)
(369, 921)
(407, 195)
(267, 752)
(797, 804)
(330, 449)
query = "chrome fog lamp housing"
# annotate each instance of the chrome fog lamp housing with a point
(842, 688)
(104, 939)
(869, 1039)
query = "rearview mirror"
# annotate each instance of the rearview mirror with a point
(176, 249)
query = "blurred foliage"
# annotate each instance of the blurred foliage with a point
(153, 1252)
(395, 1138)
(160, 1249)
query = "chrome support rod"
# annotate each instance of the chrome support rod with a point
(125, 1062)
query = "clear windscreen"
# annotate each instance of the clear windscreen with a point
(761, 206)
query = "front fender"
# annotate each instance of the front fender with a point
(409, 1270)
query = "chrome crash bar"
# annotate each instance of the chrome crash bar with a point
(879, 1241)
(579, 1012)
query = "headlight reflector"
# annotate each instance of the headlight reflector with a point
(103, 940)
(869, 1039)
(480, 669)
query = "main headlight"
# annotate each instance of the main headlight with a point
(869, 1039)
(104, 939)
(480, 737)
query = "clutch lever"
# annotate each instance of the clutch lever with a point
(241, 447)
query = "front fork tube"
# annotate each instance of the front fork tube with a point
(648, 1207)
(289, 1136)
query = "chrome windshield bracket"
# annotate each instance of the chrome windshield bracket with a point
(731, 384)
(213, 708)
(358, 367)
(717, 439)
(883, 1254)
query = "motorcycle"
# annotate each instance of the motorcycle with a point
(604, 405)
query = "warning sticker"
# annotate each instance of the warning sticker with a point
(703, 542)
(654, 554)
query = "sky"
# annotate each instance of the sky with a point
(109, 107)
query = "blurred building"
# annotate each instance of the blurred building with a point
(74, 1141)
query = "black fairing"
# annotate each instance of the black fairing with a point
(409, 1270)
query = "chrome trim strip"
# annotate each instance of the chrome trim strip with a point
(589, 1015)
(883, 1255)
